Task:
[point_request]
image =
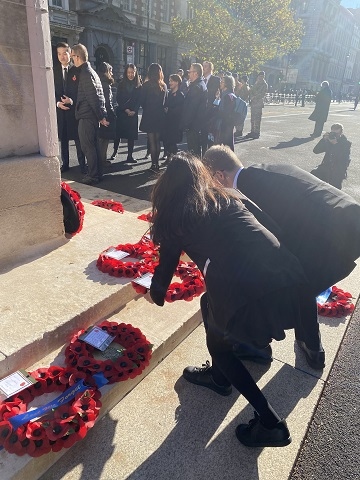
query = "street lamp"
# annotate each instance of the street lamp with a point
(343, 76)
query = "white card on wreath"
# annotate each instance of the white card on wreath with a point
(15, 383)
(144, 280)
(116, 254)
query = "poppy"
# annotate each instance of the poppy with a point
(5, 431)
(35, 431)
(56, 430)
(65, 413)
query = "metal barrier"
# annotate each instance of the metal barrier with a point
(287, 99)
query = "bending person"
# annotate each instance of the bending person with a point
(252, 282)
(319, 224)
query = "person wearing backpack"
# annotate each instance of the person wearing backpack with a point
(226, 112)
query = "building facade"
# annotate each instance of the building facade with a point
(330, 46)
(120, 31)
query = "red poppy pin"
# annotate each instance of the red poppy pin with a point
(74, 78)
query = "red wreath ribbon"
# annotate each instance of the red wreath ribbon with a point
(109, 205)
(136, 354)
(75, 198)
(339, 304)
(145, 251)
(60, 428)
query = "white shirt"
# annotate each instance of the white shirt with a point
(236, 178)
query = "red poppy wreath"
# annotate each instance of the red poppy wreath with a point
(144, 251)
(126, 357)
(109, 205)
(73, 209)
(339, 304)
(60, 427)
(192, 284)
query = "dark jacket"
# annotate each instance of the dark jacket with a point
(246, 263)
(90, 100)
(174, 104)
(67, 125)
(194, 112)
(320, 224)
(127, 98)
(212, 85)
(152, 101)
(322, 105)
(335, 162)
(109, 131)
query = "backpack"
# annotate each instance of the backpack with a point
(240, 111)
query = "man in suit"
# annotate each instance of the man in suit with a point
(319, 224)
(212, 83)
(66, 79)
(194, 110)
(89, 111)
(257, 95)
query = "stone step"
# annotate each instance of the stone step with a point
(48, 297)
(164, 327)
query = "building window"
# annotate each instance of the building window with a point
(190, 12)
(166, 10)
(304, 6)
(57, 3)
(127, 5)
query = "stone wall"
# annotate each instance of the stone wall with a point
(30, 207)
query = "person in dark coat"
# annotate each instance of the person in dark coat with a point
(251, 279)
(321, 110)
(333, 168)
(128, 100)
(173, 108)
(319, 224)
(66, 79)
(90, 111)
(194, 112)
(226, 124)
(106, 133)
(152, 100)
(212, 83)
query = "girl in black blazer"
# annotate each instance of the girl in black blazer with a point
(252, 282)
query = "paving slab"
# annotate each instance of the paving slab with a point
(167, 428)
(45, 299)
(332, 331)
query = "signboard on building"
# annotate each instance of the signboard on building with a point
(130, 54)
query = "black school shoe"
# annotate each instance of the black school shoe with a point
(202, 376)
(245, 351)
(254, 434)
(315, 358)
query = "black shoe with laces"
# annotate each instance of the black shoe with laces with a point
(254, 434)
(314, 358)
(202, 376)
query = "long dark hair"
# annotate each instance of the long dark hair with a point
(183, 196)
(125, 81)
(155, 77)
(105, 72)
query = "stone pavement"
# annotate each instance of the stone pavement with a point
(168, 429)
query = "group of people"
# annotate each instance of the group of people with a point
(205, 107)
(268, 239)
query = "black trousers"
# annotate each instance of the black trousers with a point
(88, 131)
(318, 128)
(64, 147)
(193, 138)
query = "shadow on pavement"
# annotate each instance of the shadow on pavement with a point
(295, 142)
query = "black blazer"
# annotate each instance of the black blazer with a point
(67, 125)
(213, 85)
(247, 262)
(320, 224)
(194, 111)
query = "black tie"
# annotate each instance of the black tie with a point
(65, 72)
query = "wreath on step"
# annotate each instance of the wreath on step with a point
(147, 259)
(339, 304)
(73, 209)
(60, 427)
(126, 357)
(109, 205)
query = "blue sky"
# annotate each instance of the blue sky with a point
(350, 3)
